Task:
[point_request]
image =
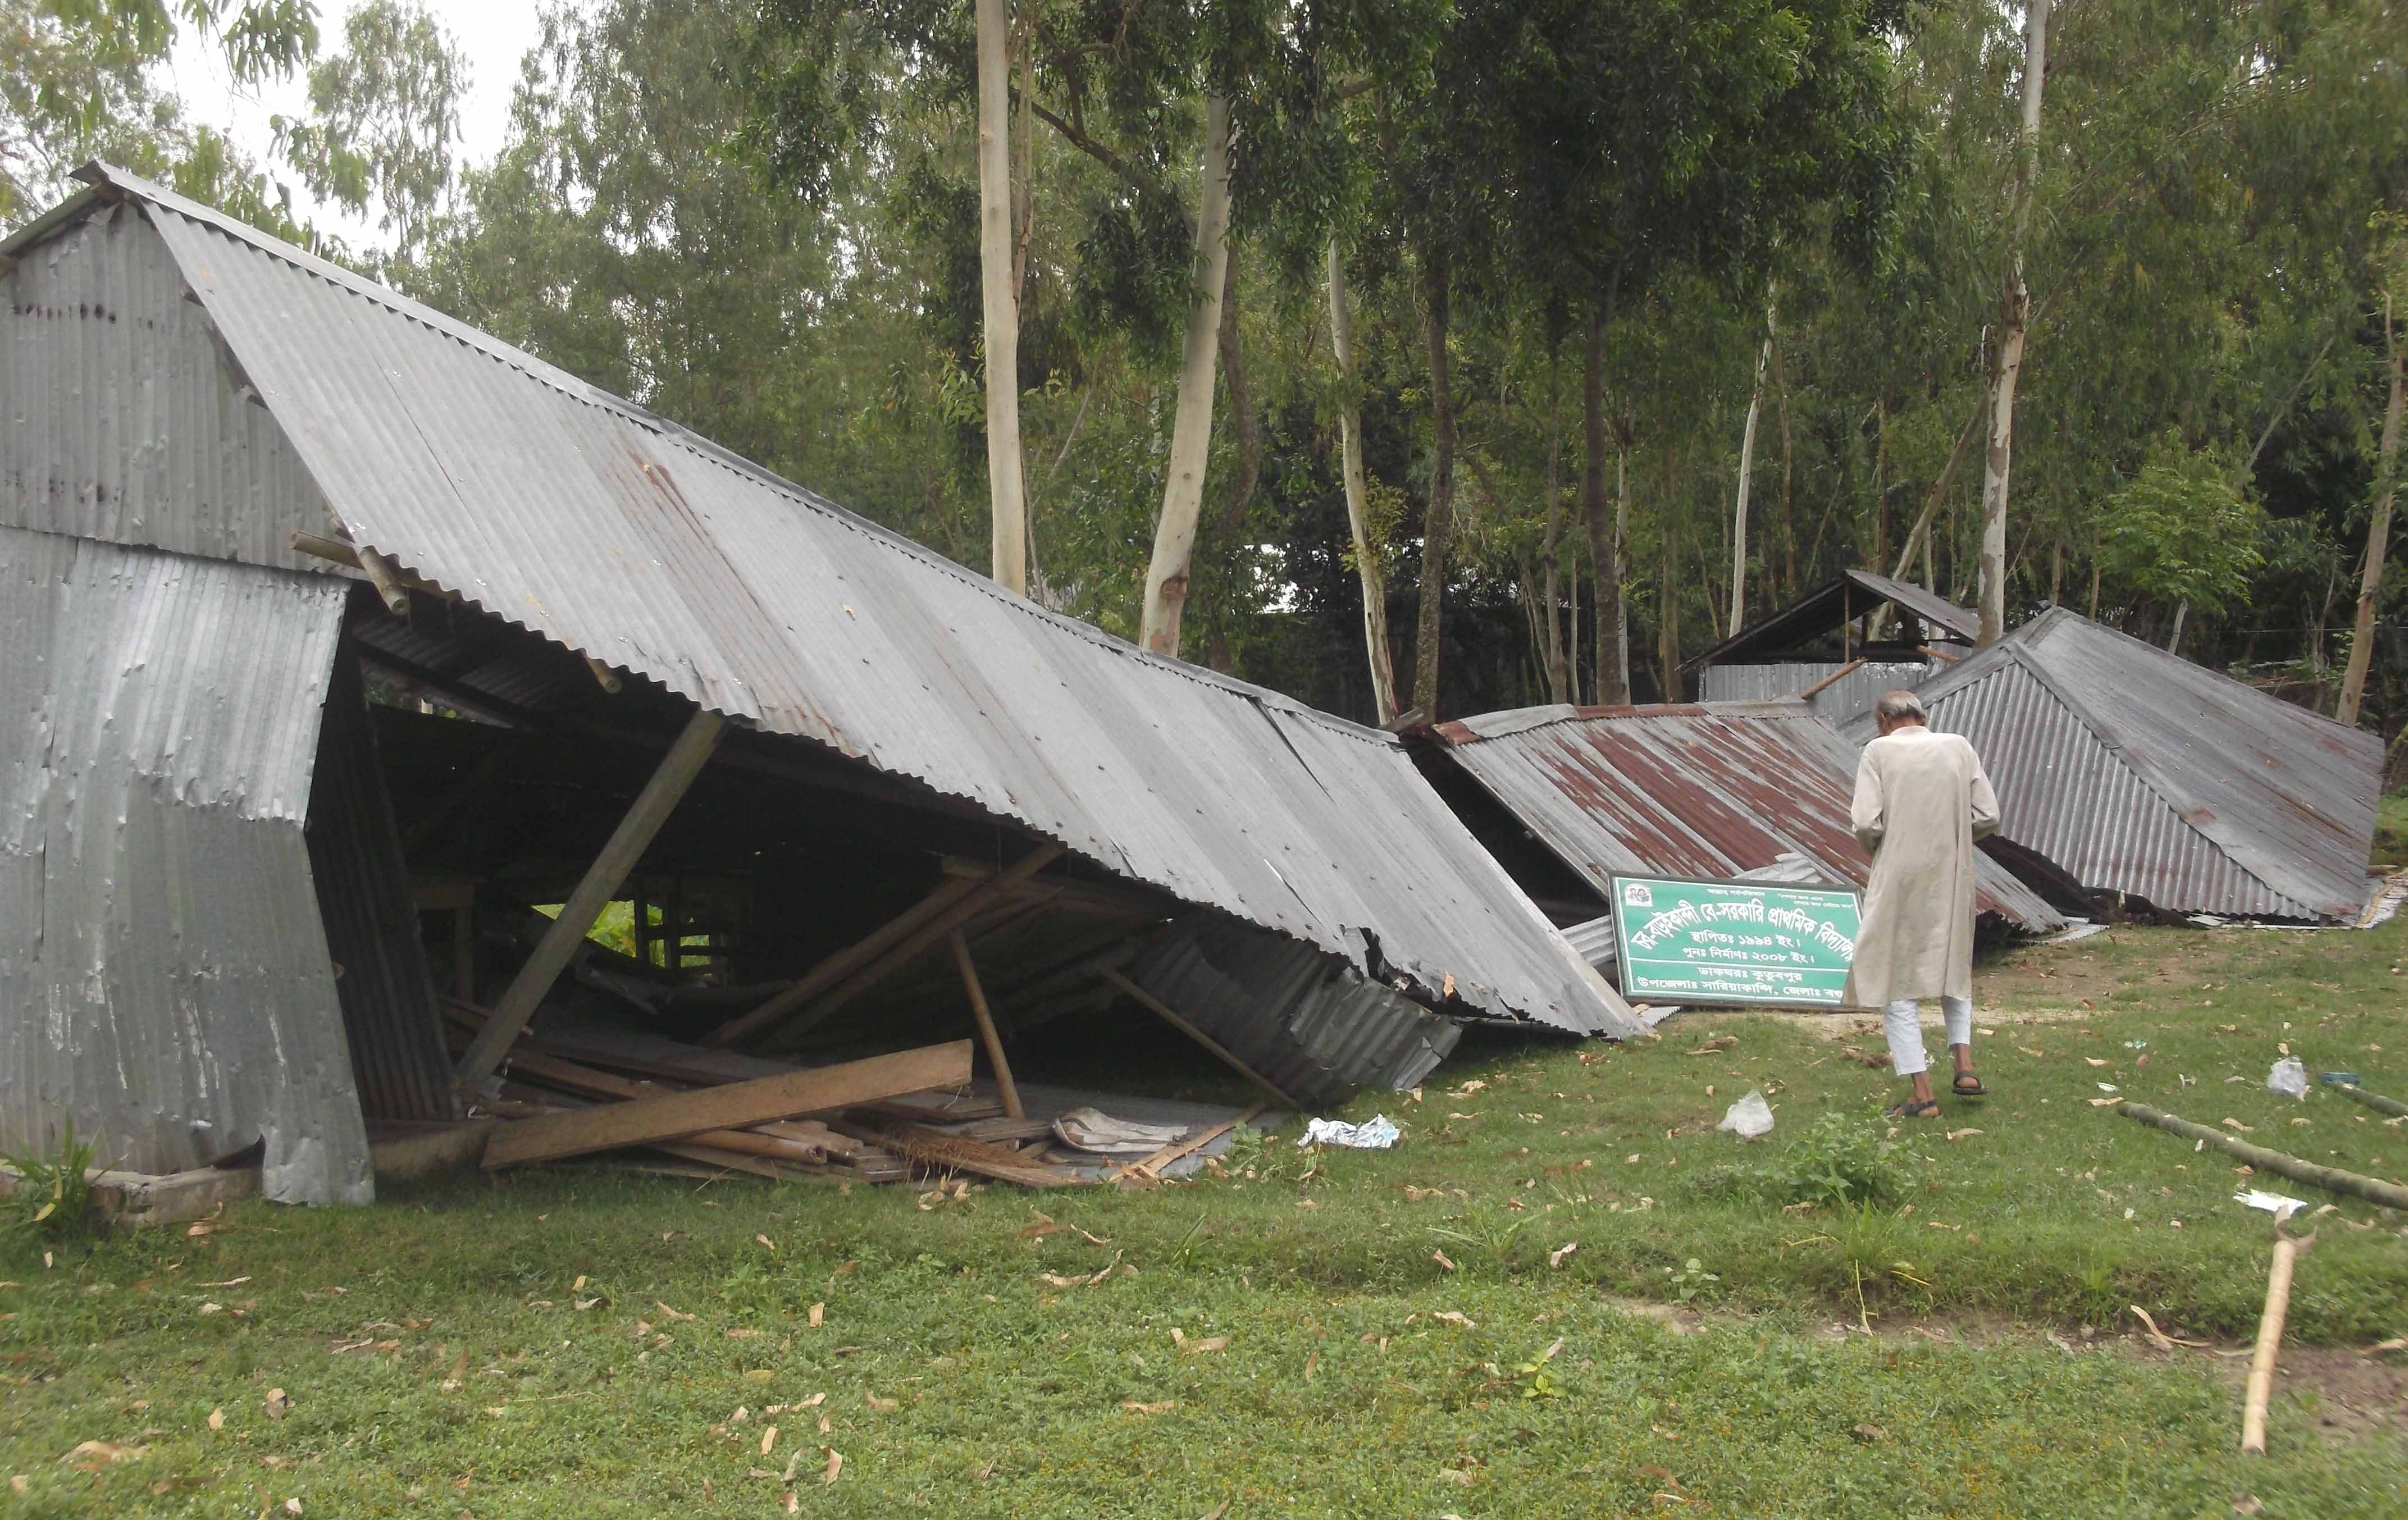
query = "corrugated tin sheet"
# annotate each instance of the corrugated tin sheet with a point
(1850, 695)
(125, 420)
(612, 531)
(1694, 791)
(1822, 610)
(2138, 772)
(1317, 1030)
(387, 992)
(163, 975)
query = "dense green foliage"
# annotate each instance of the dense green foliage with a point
(759, 218)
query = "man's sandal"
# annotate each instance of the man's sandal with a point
(1968, 1084)
(1912, 1110)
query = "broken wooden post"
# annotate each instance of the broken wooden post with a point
(1004, 1087)
(1155, 1005)
(2270, 1340)
(626, 845)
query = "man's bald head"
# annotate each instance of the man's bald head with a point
(1897, 708)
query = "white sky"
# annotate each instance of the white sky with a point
(492, 34)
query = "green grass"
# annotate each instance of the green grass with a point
(478, 1383)
(2392, 830)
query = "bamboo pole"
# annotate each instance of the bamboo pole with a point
(2373, 1189)
(2376, 1101)
(2269, 1340)
(1004, 1086)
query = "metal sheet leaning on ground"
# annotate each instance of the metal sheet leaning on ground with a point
(1693, 942)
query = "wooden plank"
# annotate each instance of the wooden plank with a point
(1152, 1166)
(980, 898)
(1148, 1001)
(1004, 1086)
(626, 845)
(950, 1152)
(836, 967)
(675, 1115)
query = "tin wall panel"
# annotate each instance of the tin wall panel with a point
(163, 976)
(125, 419)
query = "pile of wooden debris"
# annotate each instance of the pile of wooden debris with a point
(573, 1092)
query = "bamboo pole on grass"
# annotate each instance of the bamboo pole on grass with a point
(2373, 1189)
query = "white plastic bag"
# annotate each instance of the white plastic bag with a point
(2289, 1077)
(1750, 1117)
(1377, 1133)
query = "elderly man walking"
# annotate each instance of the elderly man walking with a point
(1922, 801)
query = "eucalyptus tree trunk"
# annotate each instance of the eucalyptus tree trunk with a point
(1349, 457)
(1613, 652)
(1621, 547)
(1667, 608)
(2014, 318)
(1438, 524)
(2378, 527)
(1738, 509)
(1550, 593)
(1784, 584)
(1007, 506)
(1191, 431)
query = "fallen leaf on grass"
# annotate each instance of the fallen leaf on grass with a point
(835, 1464)
(1455, 1317)
(278, 1404)
(1135, 1407)
(2235, 1123)
(216, 1419)
(2246, 1504)
(293, 1505)
(1556, 1257)
(92, 1455)
(768, 1440)
(883, 1406)
(793, 1505)
(1211, 1342)
(2397, 1342)
(1440, 1258)
(1961, 1134)
(670, 1312)
(1871, 1435)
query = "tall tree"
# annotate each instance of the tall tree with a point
(2013, 322)
(1190, 434)
(1000, 299)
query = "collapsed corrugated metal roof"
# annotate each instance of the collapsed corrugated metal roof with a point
(616, 534)
(2134, 771)
(1315, 1031)
(1820, 612)
(1706, 791)
(164, 970)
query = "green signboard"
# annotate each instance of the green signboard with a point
(1733, 941)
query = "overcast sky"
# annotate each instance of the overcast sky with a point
(494, 34)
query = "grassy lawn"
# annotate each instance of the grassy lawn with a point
(581, 1342)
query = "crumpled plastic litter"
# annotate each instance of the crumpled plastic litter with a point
(1377, 1133)
(2289, 1077)
(2274, 1203)
(1749, 1117)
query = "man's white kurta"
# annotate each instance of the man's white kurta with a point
(1922, 801)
